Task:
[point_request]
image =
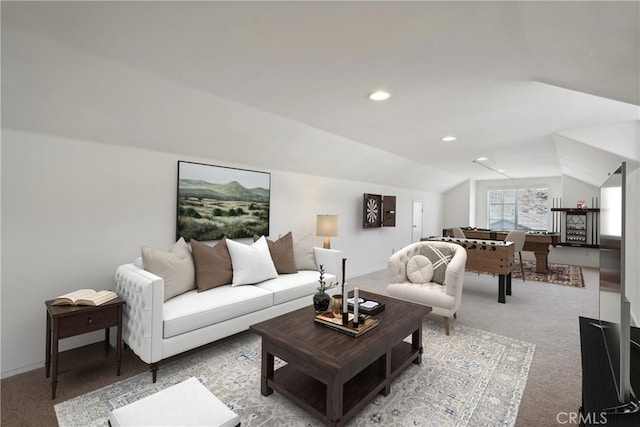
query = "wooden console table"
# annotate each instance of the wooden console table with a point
(65, 321)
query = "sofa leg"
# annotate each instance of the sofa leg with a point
(455, 315)
(154, 371)
(446, 325)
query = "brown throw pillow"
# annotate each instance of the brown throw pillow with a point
(282, 253)
(213, 264)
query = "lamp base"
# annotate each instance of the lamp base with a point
(326, 244)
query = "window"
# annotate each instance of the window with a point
(518, 208)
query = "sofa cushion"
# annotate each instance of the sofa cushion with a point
(175, 267)
(288, 287)
(193, 310)
(282, 253)
(440, 258)
(419, 269)
(251, 263)
(213, 264)
(303, 253)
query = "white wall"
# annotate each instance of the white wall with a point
(72, 211)
(458, 205)
(574, 190)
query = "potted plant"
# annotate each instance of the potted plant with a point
(321, 299)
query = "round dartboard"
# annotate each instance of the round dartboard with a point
(372, 210)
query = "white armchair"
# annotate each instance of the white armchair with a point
(413, 278)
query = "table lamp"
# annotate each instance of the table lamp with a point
(327, 226)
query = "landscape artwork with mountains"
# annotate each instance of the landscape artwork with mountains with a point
(216, 202)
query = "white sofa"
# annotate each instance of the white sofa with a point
(156, 329)
(418, 286)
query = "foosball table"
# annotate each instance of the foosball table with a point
(488, 256)
(537, 242)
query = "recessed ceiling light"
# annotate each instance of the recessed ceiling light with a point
(482, 159)
(502, 170)
(448, 138)
(379, 95)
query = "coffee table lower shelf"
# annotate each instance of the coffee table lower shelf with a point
(331, 375)
(311, 394)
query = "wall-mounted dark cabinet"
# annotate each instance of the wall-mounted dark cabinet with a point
(388, 211)
(378, 211)
(577, 227)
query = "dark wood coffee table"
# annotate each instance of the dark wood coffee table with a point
(332, 375)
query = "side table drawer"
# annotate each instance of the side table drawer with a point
(87, 322)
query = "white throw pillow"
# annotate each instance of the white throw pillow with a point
(175, 267)
(419, 269)
(251, 264)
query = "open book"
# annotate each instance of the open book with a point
(85, 297)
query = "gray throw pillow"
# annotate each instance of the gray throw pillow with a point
(439, 258)
(303, 255)
(175, 267)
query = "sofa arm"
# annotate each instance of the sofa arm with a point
(331, 259)
(143, 293)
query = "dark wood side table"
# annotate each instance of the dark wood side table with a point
(65, 321)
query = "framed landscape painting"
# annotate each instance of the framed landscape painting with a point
(215, 202)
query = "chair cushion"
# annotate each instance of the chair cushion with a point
(440, 258)
(419, 269)
(430, 294)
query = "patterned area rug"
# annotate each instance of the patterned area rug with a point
(566, 275)
(469, 378)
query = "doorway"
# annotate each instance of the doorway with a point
(416, 227)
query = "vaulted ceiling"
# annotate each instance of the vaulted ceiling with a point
(539, 88)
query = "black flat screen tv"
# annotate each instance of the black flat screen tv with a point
(614, 307)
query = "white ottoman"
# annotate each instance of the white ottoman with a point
(188, 403)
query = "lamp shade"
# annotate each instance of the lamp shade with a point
(327, 225)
